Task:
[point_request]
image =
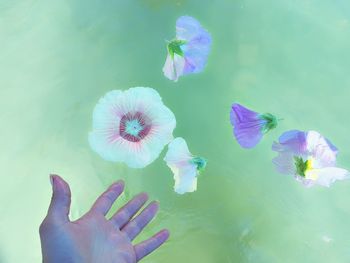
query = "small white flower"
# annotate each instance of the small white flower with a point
(184, 165)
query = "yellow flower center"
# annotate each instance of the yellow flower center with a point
(310, 173)
(309, 164)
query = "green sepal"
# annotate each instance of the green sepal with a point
(300, 165)
(200, 162)
(174, 47)
(271, 122)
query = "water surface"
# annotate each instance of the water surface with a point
(292, 58)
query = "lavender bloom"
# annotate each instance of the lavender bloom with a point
(308, 156)
(189, 51)
(250, 126)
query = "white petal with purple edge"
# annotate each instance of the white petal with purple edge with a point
(178, 158)
(321, 150)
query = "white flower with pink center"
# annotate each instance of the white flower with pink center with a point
(184, 165)
(131, 126)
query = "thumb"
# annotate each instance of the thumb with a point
(61, 198)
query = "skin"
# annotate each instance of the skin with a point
(94, 238)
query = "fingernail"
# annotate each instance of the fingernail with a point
(154, 205)
(51, 179)
(165, 234)
(143, 196)
(117, 185)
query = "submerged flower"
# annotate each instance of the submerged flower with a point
(184, 165)
(249, 126)
(131, 126)
(308, 156)
(189, 51)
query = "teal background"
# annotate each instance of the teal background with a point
(290, 58)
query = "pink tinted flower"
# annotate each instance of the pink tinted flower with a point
(309, 156)
(131, 126)
(184, 165)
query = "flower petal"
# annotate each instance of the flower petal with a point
(284, 163)
(198, 42)
(323, 151)
(247, 125)
(196, 54)
(327, 176)
(174, 68)
(185, 180)
(306, 182)
(188, 28)
(293, 141)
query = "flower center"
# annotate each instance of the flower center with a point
(134, 126)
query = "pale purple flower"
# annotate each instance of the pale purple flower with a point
(131, 126)
(309, 156)
(188, 52)
(249, 126)
(184, 165)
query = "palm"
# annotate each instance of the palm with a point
(93, 238)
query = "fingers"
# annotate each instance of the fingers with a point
(124, 214)
(148, 246)
(61, 198)
(106, 200)
(135, 226)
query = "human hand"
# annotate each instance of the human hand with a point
(94, 238)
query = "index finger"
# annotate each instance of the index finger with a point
(106, 200)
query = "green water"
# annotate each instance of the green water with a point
(291, 58)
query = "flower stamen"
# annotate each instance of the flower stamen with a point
(134, 126)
